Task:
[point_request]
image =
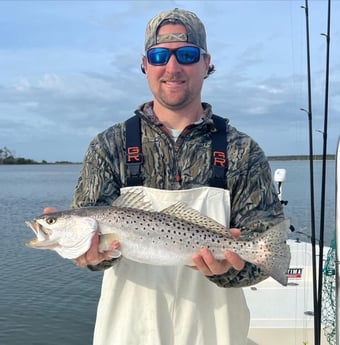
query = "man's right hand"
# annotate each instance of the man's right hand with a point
(93, 257)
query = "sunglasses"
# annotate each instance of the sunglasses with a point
(184, 55)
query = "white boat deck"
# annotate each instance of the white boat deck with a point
(282, 336)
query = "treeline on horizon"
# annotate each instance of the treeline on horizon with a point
(300, 157)
(8, 157)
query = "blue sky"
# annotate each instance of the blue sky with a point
(70, 69)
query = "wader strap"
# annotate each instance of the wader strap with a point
(218, 153)
(134, 156)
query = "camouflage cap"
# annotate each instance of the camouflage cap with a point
(195, 29)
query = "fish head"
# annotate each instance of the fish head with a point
(69, 235)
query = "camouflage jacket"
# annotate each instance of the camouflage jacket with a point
(185, 164)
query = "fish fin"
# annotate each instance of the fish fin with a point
(275, 252)
(134, 199)
(184, 212)
(105, 241)
(115, 254)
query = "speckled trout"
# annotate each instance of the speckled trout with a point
(168, 237)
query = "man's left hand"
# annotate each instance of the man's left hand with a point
(208, 265)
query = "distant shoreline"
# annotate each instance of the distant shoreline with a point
(24, 161)
(299, 157)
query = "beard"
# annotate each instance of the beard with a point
(174, 101)
(172, 96)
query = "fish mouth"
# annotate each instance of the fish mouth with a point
(42, 239)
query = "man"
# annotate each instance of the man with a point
(144, 304)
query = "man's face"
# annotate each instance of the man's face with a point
(174, 85)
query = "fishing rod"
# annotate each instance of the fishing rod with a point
(311, 177)
(324, 166)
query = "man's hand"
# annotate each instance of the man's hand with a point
(93, 257)
(208, 265)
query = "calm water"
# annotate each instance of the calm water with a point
(46, 300)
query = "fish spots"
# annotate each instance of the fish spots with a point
(173, 235)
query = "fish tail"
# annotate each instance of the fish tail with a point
(275, 252)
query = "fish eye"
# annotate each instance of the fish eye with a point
(51, 220)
